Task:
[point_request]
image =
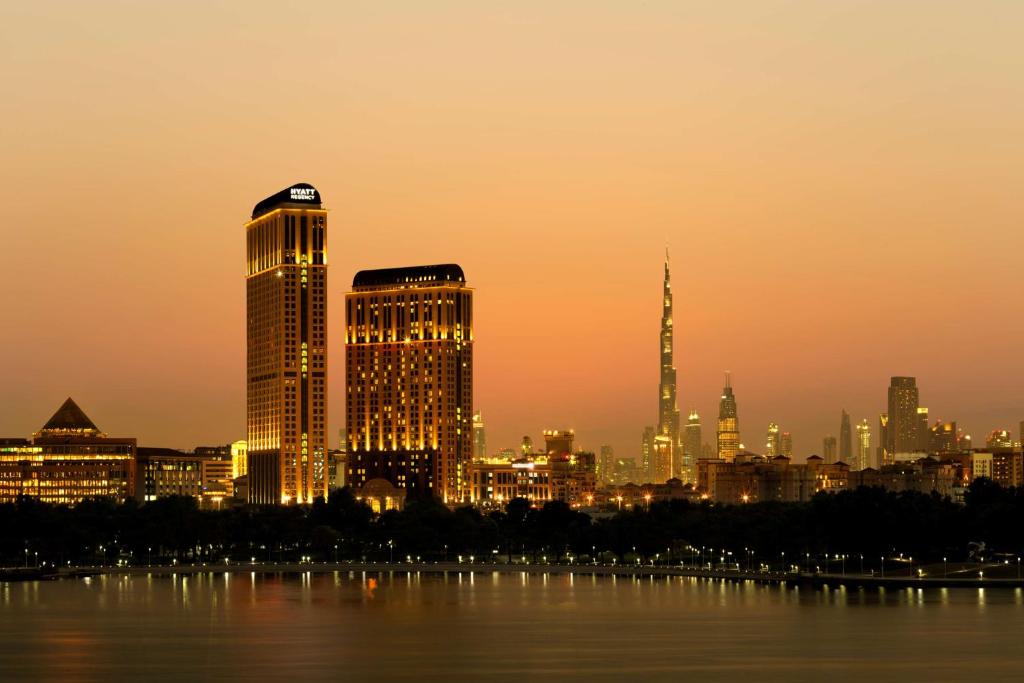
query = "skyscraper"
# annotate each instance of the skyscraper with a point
(863, 460)
(605, 464)
(922, 431)
(728, 423)
(902, 428)
(286, 333)
(667, 442)
(479, 436)
(786, 444)
(409, 379)
(883, 455)
(692, 441)
(828, 449)
(647, 455)
(772, 445)
(845, 439)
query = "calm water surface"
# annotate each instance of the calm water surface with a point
(356, 627)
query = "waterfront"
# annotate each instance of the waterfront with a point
(499, 626)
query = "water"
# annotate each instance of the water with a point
(505, 627)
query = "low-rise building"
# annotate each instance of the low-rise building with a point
(752, 478)
(67, 461)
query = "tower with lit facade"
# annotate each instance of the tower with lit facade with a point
(667, 444)
(863, 460)
(771, 444)
(692, 442)
(409, 380)
(479, 436)
(901, 431)
(728, 423)
(286, 334)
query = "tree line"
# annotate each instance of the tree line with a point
(868, 521)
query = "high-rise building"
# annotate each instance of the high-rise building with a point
(647, 455)
(786, 444)
(526, 446)
(667, 441)
(923, 432)
(999, 438)
(409, 380)
(479, 436)
(943, 438)
(692, 441)
(605, 464)
(902, 427)
(863, 460)
(728, 423)
(883, 456)
(828, 450)
(286, 365)
(558, 442)
(845, 439)
(772, 446)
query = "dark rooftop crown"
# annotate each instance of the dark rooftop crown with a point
(300, 195)
(443, 272)
(69, 419)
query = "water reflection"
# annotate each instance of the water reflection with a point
(454, 627)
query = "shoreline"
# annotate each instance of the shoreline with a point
(778, 578)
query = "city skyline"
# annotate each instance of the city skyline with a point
(790, 229)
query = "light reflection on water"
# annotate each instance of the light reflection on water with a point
(490, 626)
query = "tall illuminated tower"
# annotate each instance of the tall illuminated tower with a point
(692, 442)
(863, 460)
(771, 445)
(728, 423)
(286, 361)
(479, 436)
(667, 442)
(409, 379)
(901, 433)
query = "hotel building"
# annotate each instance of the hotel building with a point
(67, 461)
(286, 331)
(409, 380)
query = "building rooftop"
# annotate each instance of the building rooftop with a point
(443, 272)
(299, 195)
(69, 419)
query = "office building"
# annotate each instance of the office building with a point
(883, 456)
(692, 442)
(479, 436)
(409, 380)
(944, 437)
(923, 431)
(605, 464)
(728, 423)
(786, 444)
(901, 432)
(863, 459)
(67, 461)
(647, 456)
(829, 451)
(772, 446)
(286, 364)
(845, 438)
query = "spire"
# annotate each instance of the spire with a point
(728, 379)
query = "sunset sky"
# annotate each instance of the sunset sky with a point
(839, 183)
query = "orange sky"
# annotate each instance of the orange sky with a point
(839, 182)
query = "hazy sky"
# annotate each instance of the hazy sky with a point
(840, 184)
